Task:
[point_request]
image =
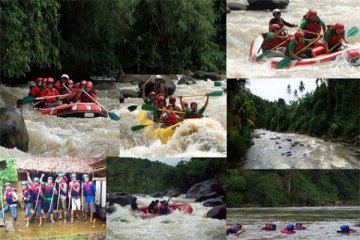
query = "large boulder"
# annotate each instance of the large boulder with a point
(128, 93)
(204, 188)
(122, 98)
(168, 81)
(218, 212)
(267, 4)
(13, 132)
(235, 6)
(186, 80)
(213, 202)
(206, 75)
(206, 196)
(121, 198)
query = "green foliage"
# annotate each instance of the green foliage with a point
(144, 176)
(271, 188)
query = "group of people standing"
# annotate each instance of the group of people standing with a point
(310, 30)
(63, 91)
(170, 113)
(40, 196)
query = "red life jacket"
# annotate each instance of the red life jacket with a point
(298, 47)
(270, 44)
(279, 22)
(171, 120)
(335, 37)
(193, 115)
(88, 190)
(46, 93)
(35, 91)
(85, 98)
(312, 26)
(8, 196)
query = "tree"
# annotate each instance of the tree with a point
(301, 87)
(295, 94)
(288, 90)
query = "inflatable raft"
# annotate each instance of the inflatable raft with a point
(351, 54)
(79, 110)
(182, 207)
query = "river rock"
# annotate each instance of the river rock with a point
(213, 202)
(171, 193)
(202, 75)
(235, 6)
(133, 78)
(186, 80)
(206, 196)
(301, 145)
(288, 139)
(218, 212)
(205, 187)
(267, 4)
(122, 98)
(280, 147)
(251, 143)
(256, 136)
(13, 132)
(128, 93)
(121, 198)
(110, 209)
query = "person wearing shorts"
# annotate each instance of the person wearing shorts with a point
(89, 190)
(74, 194)
(61, 180)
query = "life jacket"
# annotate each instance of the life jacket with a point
(85, 98)
(195, 114)
(35, 191)
(278, 21)
(46, 93)
(163, 209)
(88, 190)
(35, 91)
(272, 43)
(48, 190)
(8, 196)
(232, 230)
(298, 47)
(312, 26)
(28, 194)
(62, 193)
(171, 120)
(335, 37)
(73, 192)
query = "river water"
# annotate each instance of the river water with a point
(52, 136)
(321, 222)
(123, 224)
(208, 141)
(244, 26)
(273, 150)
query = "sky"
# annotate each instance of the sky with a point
(274, 88)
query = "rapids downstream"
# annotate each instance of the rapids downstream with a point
(124, 224)
(273, 150)
(321, 222)
(52, 136)
(244, 26)
(208, 141)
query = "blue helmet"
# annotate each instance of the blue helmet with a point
(290, 227)
(50, 178)
(61, 175)
(345, 228)
(273, 225)
(25, 183)
(36, 179)
(73, 175)
(7, 184)
(85, 176)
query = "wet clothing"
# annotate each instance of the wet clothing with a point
(27, 207)
(164, 208)
(85, 98)
(170, 120)
(312, 26)
(47, 93)
(197, 114)
(271, 42)
(35, 91)
(295, 47)
(232, 230)
(333, 38)
(281, 22)
(89, 206)
(134, 206)
(48, 197)
(89, 190)
(153, 207)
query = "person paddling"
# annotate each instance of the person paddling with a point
(11, 198)
(193, 112)
(269, 227)
(35, 91)
(334, 36)
(153, 207)
(159, 88)
(311, 25)
(151, 99)
(297, 43)
(274, 39)
(134, 205)
(50, 91)
(277, 19)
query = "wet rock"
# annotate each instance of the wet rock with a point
(256, 136)
(286, 153)
(218, 212)
(110, 209)
(171, 193)
(202, 75)
(128, 93)
(133, 78)
(251, 143)
(267, 4)
(13, 132)
(188, 72)
(206, 196)
(186, 80)
(288, 139)
(121, 198)
(234, 6)
(205, 187)
(122, 98)
(213, 202)
(263, 133)
(157, 195)
(277, 143)
(280, 147)
(289, 154)
(308, 145)
(301, 145)
(275, 138)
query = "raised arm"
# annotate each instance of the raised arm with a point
(28, 177)
(207, 101)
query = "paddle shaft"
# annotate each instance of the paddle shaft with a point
(142, 86)
(352, 32)
(62, 95)
(95, 101)
(37, 200)
(195, 95)
(51, 203)
(312, 42)
(57, 206)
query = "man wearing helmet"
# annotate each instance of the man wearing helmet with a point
(37, 194)
(49, 191)
(61, 181)
(74, 90)
(151, 99)
(11, 198)
(297, 43)
(334, 36)
(48, 92)
(172, 101)
(277, 19)
(27, 200)
(74, 195)
(35, 91)
(272, 39)
(89, 190)
(311, 25)
(159, 88)
(59, 85)
(193, 112)
(89, 89)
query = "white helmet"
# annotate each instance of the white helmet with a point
(65, 76)
(276, 10)
(158, 77)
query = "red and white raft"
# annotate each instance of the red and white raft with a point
(182, 207)
(351, 54)
(79, 110)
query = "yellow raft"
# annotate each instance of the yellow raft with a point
(164, 134)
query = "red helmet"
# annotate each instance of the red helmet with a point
(312, 12)
(160, 98)
(83, 82)
(185, 104)
(172, 97)
(44, 80)
(50, 80)
(89, 84)
(38, 79)
(69, 81)
(273, 27)
(299, 34)
(339, 26)
(152, 94)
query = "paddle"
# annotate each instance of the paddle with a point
(218, 84)
(56, 213)
(67, 210)
(148, 107)
(32, 219)
(82, 202)
(285, 61)
(30, 99)
(266, 51)
(142, 86)
(132, 107)
(352, 32)
(139, 127)
(49, 211)
(211, 94)
(112, 115)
